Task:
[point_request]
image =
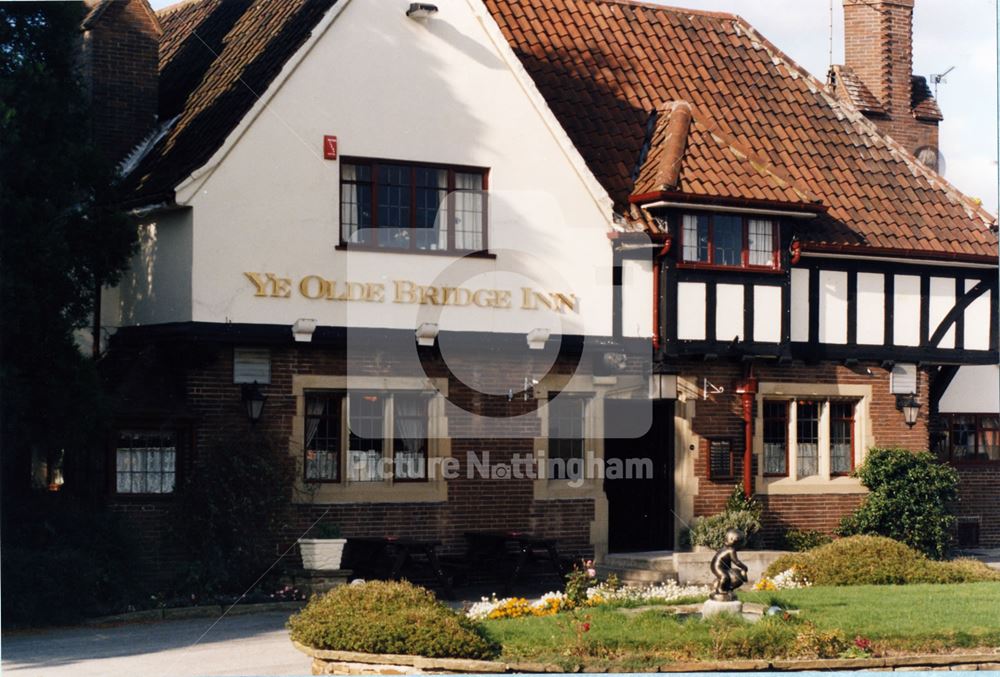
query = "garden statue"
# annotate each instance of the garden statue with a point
(730, 572)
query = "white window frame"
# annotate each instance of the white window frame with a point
(824, 481)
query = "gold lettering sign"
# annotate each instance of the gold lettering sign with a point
(316, 287)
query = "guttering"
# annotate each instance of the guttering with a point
(862, 252)
(725, 208)
(657, 263)
(666, 198)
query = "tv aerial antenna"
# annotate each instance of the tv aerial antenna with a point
(940, 79)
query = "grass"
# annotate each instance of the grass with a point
(913, 618)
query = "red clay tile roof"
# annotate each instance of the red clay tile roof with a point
(922, 101)
(605, 65)
(216, 58)
(689, 154)
(849, 87)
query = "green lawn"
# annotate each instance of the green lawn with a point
(897, 618)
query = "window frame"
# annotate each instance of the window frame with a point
(388, 440)
(451, 191)
(949, 420)
(182, 443)
(585, 400)
(852, 423)
(745, 265)
(786, 419)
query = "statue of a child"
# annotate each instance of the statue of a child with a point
(730, 572)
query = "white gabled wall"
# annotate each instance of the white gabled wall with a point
(391, 87)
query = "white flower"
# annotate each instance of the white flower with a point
(790, 579)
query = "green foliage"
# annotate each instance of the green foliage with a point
(60, 238)
(324, 530)
(876, 560)
(909, 500)
(800, 541)
(711, 531)
(61, 562)
(738, 501)
(579, 580)
(227, 515)
(388, 617)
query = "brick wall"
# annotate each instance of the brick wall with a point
(979, 497)
(120, 65)
(878, 46)
(473, 504)
(721, 416)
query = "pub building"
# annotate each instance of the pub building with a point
(404, 238)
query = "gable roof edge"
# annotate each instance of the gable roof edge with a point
(188, 188)
(597, 191)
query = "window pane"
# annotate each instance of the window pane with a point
(322, 436)
(989, 444)
(727, 240)
(431, 224)
(366, 413)
(963, 435)
(145, 462)
(775, 438)
(468, 216)
(566, 430)
(355, 203)
(807, 438)
(696, 237)
(410, 435)
(394, 206)
(761, 242)
(841, 437)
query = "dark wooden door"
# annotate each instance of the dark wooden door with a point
(640, 509)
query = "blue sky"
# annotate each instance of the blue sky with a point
(947, 33)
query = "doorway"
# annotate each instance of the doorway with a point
(641, 509)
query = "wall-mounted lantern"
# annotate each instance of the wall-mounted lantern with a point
(910, 407)
(253, 400)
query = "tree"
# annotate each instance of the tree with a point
(61, 238)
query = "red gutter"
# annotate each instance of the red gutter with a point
(748, 391)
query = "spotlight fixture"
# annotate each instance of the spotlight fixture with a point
(426, 333)
(537, 338)
(421, 10)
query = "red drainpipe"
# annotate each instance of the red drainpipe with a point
(748, 391)
(657, 259)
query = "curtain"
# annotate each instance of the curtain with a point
(320, 463)
(411, 436)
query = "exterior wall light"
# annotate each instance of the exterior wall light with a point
(421, 10)
(662, 386)
(303, 329)
(537, 338)
(426, 333)
(910, 407)
(253, 400)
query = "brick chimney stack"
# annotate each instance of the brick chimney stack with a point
(120, 61)
(877, 76)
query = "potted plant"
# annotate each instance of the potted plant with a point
(323, 549)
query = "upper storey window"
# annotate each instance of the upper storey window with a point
(412, 207)
(729, 240)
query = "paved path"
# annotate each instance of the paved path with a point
(253, 644)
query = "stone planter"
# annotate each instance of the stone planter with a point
(322, 554)
(354, 663)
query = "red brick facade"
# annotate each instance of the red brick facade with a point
(979, 500)
(121, 65)
(878, 47)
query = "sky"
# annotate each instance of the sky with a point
(946, 33)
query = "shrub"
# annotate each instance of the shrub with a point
(910, 494)
(738, 501)
(388, 617)
(876, 560)
(227, 515)
(711, 531)
(800, 541)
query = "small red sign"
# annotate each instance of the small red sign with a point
(329, 147)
